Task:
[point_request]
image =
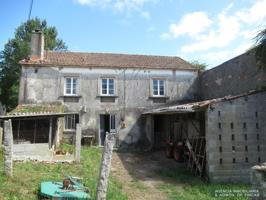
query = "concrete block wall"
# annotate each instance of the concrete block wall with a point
(235, 137)
(235, 76)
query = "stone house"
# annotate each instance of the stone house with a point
(219, 114)
(109, 91)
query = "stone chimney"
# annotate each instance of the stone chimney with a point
(37, 45)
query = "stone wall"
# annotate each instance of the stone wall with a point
(235, 137)
(235, 76)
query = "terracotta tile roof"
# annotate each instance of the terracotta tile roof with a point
(109, 60)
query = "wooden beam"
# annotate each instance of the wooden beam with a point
(34, 133)
(50, 132)
(18, 129)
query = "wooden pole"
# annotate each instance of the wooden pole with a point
(105, 167)
(8, 148)
(50, 133)
(78, 143)
(1, 136)
(18, 129)
(35, 130)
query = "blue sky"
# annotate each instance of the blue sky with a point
(206, 30)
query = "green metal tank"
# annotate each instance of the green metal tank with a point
(69, 188)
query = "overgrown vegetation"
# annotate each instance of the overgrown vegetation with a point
(185, 186)
(260, 49)
(199, 66)
(17, 49)
(24, 185)
(178, 182)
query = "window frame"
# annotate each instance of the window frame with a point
(74, 118)
(108, 87)
(71, 86)
(158, 87)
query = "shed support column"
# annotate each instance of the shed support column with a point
(1, 137)
(50, 133)
(8, 148)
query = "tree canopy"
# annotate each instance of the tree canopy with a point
(260, 49)
(17, 49)
(199, 66)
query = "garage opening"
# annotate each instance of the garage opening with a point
(182, 136)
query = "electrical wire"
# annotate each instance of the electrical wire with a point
(31, 3)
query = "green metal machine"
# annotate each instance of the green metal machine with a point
(69, 188)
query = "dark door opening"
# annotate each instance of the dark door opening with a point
(107, 124)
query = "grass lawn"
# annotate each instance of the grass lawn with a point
(185, 186)
(180, 184)
(27, 176)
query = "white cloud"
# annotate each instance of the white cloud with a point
(220, 31)
(228, 30)
(145, 14)
(255, 13)
(165, 36)
(242, 48)
(191, 23)
(217, 56)
(120, 5)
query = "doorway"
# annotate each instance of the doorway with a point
(107, 124)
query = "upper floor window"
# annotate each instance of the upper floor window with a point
(71, 85)
(158, 87)
(108, 86)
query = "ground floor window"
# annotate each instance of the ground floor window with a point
(71, 121)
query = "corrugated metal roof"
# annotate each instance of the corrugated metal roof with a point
(195, 106)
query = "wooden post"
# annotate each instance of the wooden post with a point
(50, 133)
(35, 130)
(8, 148)
(18, 129)
(78, 143)
(105, 166)
(1, 136)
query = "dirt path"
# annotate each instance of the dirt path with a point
(137, 174)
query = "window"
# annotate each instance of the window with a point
(246, 148)
(258, 148)
(71, 121)
(233, 137)
(158, 87)
(108, 87)
(246, 137)
(232, 125)
(220, 137)
(71, 85)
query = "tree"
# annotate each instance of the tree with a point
(260, 49)
(199, 66)
(17, 49)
